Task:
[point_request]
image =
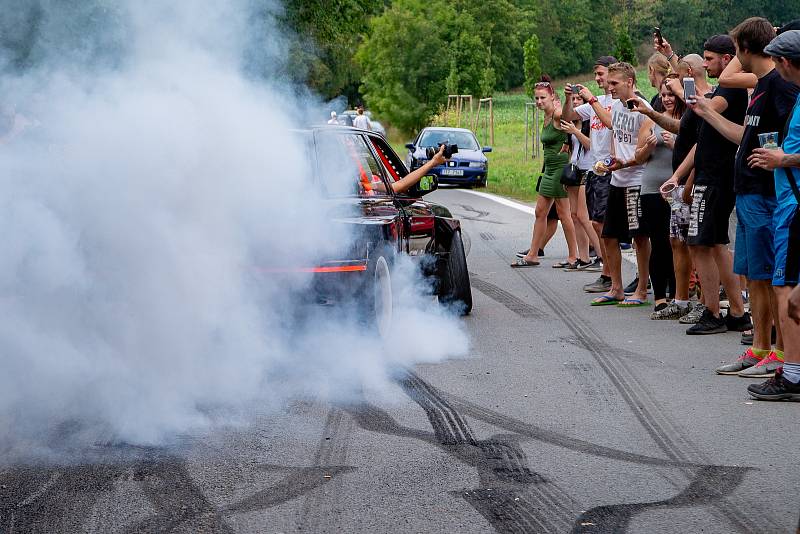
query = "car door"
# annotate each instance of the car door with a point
(419, 220)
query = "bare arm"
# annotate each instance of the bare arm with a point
(572, 129)
(772, 158)
(734, 76)
(409, 180)
(568, 110)
(602, 113)
(686, 168)
(670, 124)
(706, 109)
(646, 143)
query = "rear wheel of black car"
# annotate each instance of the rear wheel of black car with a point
(456, 290)
(380, 296)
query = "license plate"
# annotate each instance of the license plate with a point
(452, 172)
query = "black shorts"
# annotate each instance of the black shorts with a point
(552, 215)
(709, 216)
(623, 214)
(597, 195)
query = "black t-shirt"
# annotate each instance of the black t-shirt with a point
(715, 156)
(656, 103)
(686, 139)
(770, 107)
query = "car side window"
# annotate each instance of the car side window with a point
(393, 164)
(370, 177)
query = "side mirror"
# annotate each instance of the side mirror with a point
(411, 147)
(486, 149)
(426, 185)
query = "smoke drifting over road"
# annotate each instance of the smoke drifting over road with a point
(151, 172)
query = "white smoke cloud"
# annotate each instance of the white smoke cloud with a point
(135, 206)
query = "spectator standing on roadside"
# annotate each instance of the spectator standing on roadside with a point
(767, 113)
(334, 119)
(623, 213)
(785, 52)
(656, 211)
(658, 68)
(575, 183)
(362, 121)
(597, 110)
(551, 191)
(712, 201)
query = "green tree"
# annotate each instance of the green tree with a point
(532, 64)
(625, 50)
(415, 51)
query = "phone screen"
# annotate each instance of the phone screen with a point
(689, 90)
(659, 37)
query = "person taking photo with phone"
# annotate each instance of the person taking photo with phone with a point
(767, 113)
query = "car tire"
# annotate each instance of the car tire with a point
(482, 183)
(455, 288)
(380, 296)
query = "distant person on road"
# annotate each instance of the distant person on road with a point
(551, 190)
(362, 121)
(785, 53)
(334, 119)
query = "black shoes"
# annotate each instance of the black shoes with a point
(738, 324)
(776, 388)
(708, 324)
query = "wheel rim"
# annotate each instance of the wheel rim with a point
(383, 297)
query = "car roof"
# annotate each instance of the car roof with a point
(446, 129)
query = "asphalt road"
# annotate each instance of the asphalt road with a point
(565, 418)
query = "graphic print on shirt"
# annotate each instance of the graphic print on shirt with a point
(626, 127)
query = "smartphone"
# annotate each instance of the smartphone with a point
(659, 37)
(630, 103)
(689, 91)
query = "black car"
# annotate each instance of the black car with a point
(355, 169)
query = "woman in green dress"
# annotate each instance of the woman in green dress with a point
(550, 188)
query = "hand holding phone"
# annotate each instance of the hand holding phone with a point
(658, 36)
(689, 90)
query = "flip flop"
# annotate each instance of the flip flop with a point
(522, 262)
(560, 265)
(605, 300)
(633, 303)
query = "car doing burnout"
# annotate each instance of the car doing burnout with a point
(354, 170)
(469, 166)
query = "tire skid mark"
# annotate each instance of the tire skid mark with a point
(509, 300)
(318, 508)
(666, 434)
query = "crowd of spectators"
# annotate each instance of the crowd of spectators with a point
(717, 147)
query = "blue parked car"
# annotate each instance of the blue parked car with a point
(468, 166)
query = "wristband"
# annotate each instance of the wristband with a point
(592, 100)
(672, 55)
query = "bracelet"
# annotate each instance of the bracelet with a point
(672, 55)
(592, 100)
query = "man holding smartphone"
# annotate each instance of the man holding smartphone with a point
(768, 111)
(623, 212)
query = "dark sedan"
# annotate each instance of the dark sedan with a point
(468, 167)
(355, 169)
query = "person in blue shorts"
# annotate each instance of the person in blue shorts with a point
(785, 52)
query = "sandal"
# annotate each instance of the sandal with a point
(605, 300)
(522, 262)
(633, 303)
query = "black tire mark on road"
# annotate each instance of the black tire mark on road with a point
(509, 300)
(318, 510)
(512, 497)
(640, 400)
(479, 216)
(704, 489)
(488, 236)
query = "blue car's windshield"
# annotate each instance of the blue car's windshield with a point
(464, 140)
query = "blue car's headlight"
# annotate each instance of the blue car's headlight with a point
(477, 164)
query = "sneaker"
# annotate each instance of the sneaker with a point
(670, 312)
(747, 337)
(523, 253)
(745, 361)
(541, 253)
(630, 289)
(594, 266)
(601, 285)
(763, 369)
(625, 247)
(708, 324)
(577, 266)
(724, 302)
(694, 314)
(776, 388)
(738, 324)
